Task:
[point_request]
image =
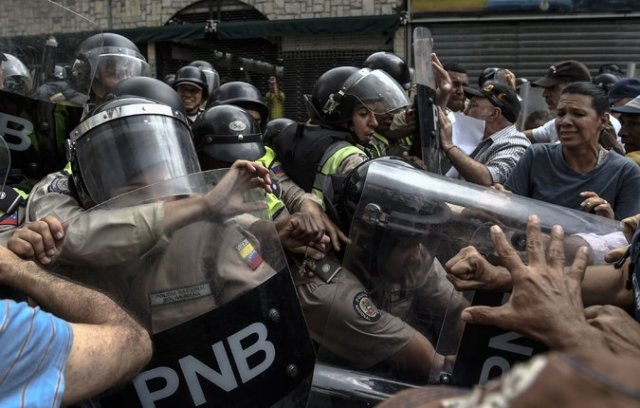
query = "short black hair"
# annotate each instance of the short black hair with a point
(455, 67)
(599, 101)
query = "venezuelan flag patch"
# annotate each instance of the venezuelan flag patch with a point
(277, 169)
(249, 254)
(10, 219)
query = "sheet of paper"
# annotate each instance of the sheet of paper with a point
(467, 133)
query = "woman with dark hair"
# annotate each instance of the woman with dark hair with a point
(578, 172)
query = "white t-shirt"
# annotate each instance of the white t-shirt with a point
(547, 133)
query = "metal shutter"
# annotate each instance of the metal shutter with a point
(529, 47)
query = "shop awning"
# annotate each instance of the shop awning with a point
(236, 30)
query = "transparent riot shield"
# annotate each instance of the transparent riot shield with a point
(5, 163)
(39, 104)
(212, 285)
(407, 225)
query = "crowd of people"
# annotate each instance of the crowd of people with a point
(385, 308)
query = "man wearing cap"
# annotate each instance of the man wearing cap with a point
(623, 91)
(502, 145)
(630, 131)
(557, 77)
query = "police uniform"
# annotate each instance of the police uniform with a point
(345, 321)
(311, 154)
(102, 238)
(366, 325)
(197, 272)
(287, 195)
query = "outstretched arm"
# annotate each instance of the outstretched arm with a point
(108, 347)
(545, 304)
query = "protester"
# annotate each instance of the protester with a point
(558, 76)
(578, 173)
(630, 120)
(459, 80)
(82, 345)
(502, 145)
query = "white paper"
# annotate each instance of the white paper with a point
(467, 134)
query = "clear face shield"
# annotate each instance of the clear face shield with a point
(379, 92)
(376, 90)
(197, 293)
(5, 163)
(17, 78)
(407, 225)
(110, 65)
(131, 147)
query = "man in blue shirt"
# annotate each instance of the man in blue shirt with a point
(84, 344)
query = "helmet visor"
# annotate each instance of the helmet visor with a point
(119, 67)
(17, 77)
(378, 92)
(131, 152)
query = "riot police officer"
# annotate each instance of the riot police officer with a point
(191, 84)
(15, 75)
(343, 104)
(393, 136)
(226, 133)
(213, 78)
(103, 60)
(384, 309)
(246, 96)
(273, 129)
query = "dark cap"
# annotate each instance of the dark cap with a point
(624, 88)
(630, 108)
(499, 95)
(564, 71)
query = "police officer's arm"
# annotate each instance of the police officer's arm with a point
(330, 228)
(296, 200)
(472, 170)
(224, 200)
(108, 347)
(415, 358)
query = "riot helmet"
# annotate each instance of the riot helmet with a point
(168, 79)
(128, 142)
(605, 81)
(338, 91)
(149, 88)
(392, 65)
(213, 78)
(273, 129)
(384, 219)
(244, 95)
(17, 78)
(227, 133)
(192, 76)
(103, 60)
(354, 183)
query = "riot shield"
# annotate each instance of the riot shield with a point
(38, 105)
(407, 225)
(214, 290)
(5, 163)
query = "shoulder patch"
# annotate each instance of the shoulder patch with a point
(365, 307)
(60, 185)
